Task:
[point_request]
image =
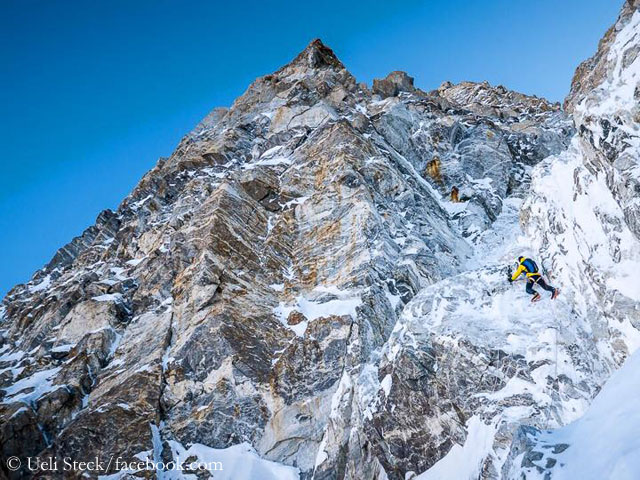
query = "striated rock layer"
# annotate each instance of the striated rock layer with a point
(317, 273)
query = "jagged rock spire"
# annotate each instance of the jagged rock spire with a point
(317, 55)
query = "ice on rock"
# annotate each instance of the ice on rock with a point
(31, 388)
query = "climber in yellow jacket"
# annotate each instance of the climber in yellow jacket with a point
(534, 277)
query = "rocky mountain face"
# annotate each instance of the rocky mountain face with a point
(313, 286)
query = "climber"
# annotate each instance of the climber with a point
(534, 277)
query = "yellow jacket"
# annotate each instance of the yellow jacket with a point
(527, 266)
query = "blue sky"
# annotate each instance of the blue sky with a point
(92, 93)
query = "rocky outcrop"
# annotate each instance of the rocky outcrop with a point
(605, 102)
(595, 71)
(296, 277)
(393, 84)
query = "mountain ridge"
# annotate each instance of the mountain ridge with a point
(315, 277)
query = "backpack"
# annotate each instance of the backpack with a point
(530, 265)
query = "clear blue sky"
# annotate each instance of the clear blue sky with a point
(93, 92)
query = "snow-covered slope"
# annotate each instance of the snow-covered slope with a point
(502, 361)
(593, 187)
(602, 444)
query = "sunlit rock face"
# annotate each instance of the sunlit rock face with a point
(313, 283)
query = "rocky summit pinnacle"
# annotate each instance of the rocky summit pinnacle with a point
(318, 55)
(313, 285)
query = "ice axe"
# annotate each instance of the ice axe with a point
(509, 272)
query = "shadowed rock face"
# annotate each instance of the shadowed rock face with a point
(252, 288)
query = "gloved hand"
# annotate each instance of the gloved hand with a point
(510, 279)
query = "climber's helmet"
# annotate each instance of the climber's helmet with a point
(520, 259)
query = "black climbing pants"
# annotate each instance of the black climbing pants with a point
(538, 281)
